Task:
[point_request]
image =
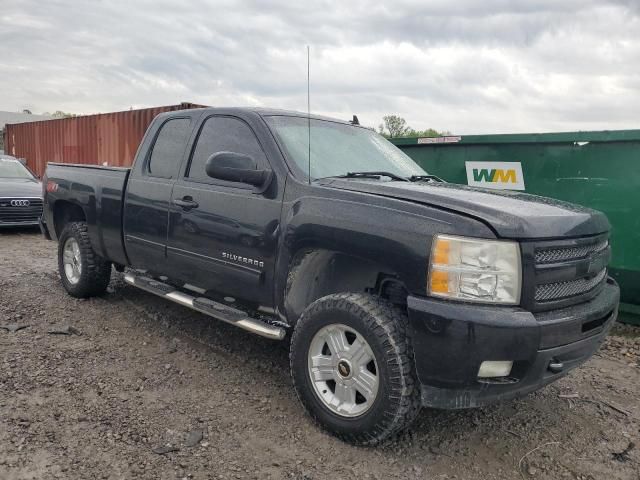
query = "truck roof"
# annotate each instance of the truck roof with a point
(262, 111)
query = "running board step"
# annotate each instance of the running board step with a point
(207, 306)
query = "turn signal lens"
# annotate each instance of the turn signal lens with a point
(440, 282)
(475, 270)
(441, 252)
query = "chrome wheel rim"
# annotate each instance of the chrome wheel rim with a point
(343, 370)
(71, 261)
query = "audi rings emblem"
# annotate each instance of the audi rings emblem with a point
(20, 203)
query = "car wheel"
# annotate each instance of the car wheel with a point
(83, 272)
(352, 367)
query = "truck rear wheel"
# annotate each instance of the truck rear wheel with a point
(352, 367)
(83, 273)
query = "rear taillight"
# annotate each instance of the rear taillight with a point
(51, 186)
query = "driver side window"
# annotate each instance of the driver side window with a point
(223, 134)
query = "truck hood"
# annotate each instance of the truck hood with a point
(510, 214)
(19, 187)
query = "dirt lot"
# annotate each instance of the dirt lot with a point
(137, 373)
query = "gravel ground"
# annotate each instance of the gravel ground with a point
(135, 373)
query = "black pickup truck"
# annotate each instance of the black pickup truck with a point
(399, 290)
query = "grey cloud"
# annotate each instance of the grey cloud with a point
(466, 66)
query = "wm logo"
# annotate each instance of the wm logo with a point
(494, 175)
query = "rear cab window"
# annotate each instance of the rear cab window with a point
(168, 148)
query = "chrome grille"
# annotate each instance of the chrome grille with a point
(561, 254)
(558, 290)
(18, 213)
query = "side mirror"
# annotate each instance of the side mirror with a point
(236, 167)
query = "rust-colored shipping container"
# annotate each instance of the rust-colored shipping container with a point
(103, 139)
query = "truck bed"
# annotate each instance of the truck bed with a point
(100, 192)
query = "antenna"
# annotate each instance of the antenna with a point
(309, 111)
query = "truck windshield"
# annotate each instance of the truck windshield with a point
(337, 148)
(10, 168)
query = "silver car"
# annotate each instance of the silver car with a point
(20, 194)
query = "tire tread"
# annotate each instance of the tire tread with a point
(96, 272)
(390, 325)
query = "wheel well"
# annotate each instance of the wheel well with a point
(65, 212)
(315, 273)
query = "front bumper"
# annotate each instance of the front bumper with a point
(452, 339)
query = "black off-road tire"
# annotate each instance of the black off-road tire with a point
(384, 327)
(95, 272)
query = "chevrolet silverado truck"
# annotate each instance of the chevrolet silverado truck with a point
(395, 289)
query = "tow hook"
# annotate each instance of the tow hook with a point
(555, 366)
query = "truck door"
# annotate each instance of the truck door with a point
(222, 235)
(149, 194)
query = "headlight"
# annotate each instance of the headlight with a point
(475, 270)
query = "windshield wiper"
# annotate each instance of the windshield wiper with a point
(392, 176)
(419, 178)
(372, 174)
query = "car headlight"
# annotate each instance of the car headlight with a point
(475, 270)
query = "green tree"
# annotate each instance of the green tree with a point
(429, 132)
(61, 114)
(393, 126)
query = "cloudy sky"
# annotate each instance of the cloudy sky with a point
(468, 66)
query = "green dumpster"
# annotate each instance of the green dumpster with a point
(600, 170)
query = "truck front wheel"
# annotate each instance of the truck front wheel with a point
(83, 273)
(352, 367)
